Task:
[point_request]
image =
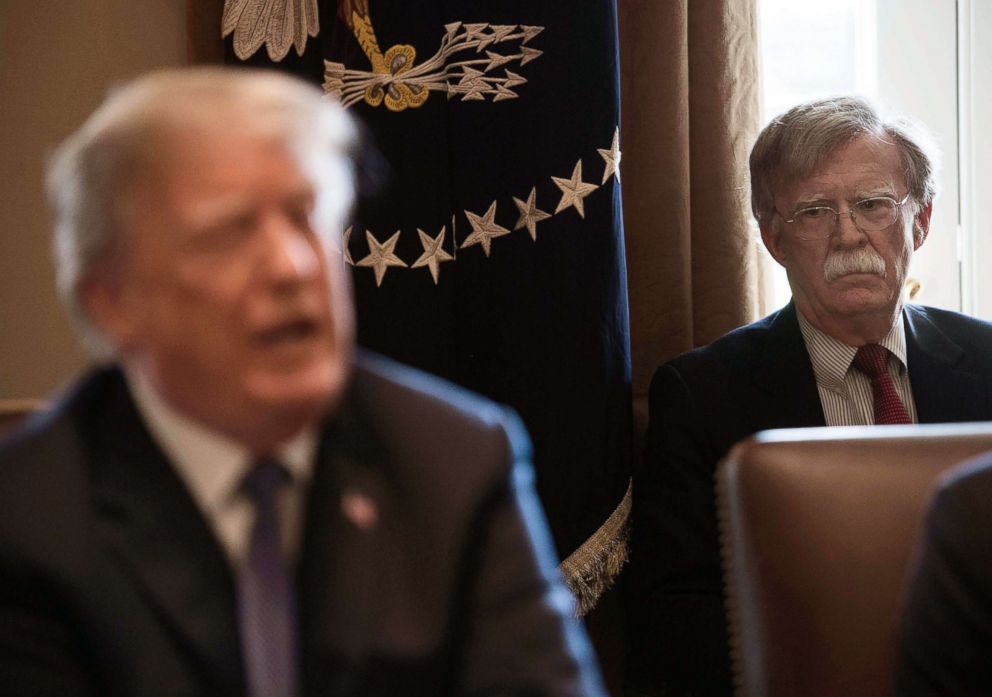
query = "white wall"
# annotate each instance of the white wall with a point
(977, 116)
(917, 75)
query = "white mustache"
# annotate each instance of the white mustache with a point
(861, 260)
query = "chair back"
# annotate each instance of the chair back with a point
(13, 412)
(818, 528)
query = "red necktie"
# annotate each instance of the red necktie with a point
(872, 360)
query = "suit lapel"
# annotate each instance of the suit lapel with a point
(942, 390)
(160, 540)
(784, 375)
(340, 570)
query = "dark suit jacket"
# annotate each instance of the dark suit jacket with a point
(754, 378)
(946, 640)
(112, 583)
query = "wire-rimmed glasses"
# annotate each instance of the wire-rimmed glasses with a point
(869, 215)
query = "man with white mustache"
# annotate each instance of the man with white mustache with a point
(854, 261)
(843, 198)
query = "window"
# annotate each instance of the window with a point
(924, 58)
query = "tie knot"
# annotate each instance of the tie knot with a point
(263, 481)
(871, 359)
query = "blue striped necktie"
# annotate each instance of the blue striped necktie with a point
(266, 594)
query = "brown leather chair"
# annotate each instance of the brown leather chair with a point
(818, 527)
(14, 411)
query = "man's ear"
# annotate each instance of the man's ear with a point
(771, 235)
(921, 225)
(105, 302)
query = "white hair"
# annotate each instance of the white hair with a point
(93, 175)
(797, 143)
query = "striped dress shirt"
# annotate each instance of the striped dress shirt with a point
(845, 393)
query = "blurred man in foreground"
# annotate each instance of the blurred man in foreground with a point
(237, 504)
(843, 198)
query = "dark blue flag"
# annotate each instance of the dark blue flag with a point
(493, 253)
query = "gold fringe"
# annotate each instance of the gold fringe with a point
(591, 569)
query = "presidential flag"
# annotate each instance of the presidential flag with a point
(492, 253)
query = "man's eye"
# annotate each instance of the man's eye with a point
(814, 213)
(225, 236)
(874, 204)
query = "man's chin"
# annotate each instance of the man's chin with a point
(307, 389)
(861, 299)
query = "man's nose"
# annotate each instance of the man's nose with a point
(290, 253)
(848, 231)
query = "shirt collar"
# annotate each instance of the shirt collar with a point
(211, 464)
(831, 358)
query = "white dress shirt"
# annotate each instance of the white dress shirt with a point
(213, 468)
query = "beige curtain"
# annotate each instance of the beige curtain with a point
(689, 82)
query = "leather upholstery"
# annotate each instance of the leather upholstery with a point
(817, 531)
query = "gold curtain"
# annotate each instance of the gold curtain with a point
(689, 86)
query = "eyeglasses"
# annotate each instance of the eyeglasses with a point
(868, 214)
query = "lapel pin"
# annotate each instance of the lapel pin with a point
(360, 510)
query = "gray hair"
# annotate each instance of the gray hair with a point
(797, 143)
(94, 175)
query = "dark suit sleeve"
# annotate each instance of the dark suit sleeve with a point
(522, 638)
(39, 654)
(41, 650)
(946, 641)
(675, 596)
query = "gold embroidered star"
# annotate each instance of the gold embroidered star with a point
(434, 253)
(344, 244)
(573, 190)
(484, 230)
(381, 255)
(611, 157)
(530, 214)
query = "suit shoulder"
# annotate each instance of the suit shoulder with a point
(407, 397)
(966, 489)
(951, 322)
(959, 519)
(385, 377)
(44, 483)
(443, 446)
(42, 438)
(87, 395)
(730, 355)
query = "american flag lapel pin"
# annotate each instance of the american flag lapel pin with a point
(360, 510)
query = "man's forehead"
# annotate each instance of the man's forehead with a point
(850, 182)
(863, 166)
(215, 207)
(213, 172)
(206, 152)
